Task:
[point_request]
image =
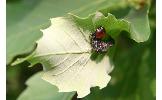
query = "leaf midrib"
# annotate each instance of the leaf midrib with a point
(63, 53)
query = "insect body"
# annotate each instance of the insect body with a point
(97, 40)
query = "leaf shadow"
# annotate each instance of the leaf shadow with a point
(97, 57)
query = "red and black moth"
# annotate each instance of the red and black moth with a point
(97, 42)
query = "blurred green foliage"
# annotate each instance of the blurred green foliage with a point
(38, 89)
(134, 76)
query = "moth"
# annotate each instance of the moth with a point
(100, 41)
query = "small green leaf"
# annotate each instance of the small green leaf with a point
(38, 89)
(112, 25)
(139, 24)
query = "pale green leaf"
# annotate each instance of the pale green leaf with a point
(65, 50)
(38, 89)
